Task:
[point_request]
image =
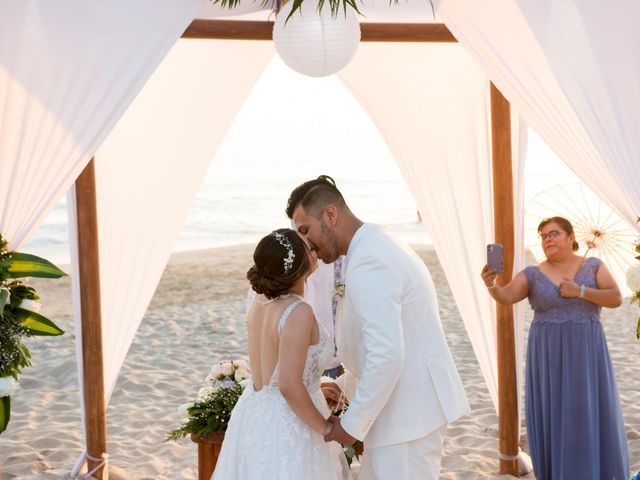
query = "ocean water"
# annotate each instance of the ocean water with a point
(291, 129)
(230, 212)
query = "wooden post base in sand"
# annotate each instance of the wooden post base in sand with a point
(208, 450)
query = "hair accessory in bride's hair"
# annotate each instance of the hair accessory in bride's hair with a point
(284, 241)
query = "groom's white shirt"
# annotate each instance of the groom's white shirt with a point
(401, 381)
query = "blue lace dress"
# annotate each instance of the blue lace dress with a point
(265, 440)
(574, 421)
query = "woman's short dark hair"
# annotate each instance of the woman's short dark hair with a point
(563, 223)
(279, 260)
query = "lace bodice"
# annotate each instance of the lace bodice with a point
(549, 306)
(319, 356)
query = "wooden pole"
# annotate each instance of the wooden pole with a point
(370, 32)
(504, 234)
(92, 363)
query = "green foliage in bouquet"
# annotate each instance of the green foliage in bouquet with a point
(210, 415)
(18, 318)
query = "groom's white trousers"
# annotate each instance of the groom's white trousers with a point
(416, 460)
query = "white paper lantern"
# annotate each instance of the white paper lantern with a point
(315, 43)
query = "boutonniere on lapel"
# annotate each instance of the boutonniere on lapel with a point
(338, 290)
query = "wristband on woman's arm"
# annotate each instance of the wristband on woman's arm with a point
(582, 289)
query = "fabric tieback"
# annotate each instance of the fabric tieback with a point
(104, 462)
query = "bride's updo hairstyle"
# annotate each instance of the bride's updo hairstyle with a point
(279, 260)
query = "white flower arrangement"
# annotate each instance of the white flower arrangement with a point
(211, 410)
(8, 385)
(633, 277)
(224, 375)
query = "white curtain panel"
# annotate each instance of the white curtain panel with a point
(149, 170)
(431, 104)
(68, 70)
(571, 68)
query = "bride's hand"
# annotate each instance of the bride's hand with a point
(333, 394)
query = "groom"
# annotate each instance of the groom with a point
(402, 385)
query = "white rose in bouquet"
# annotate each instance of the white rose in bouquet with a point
(240, 363)
(227, 369)
(31, 305)
(216, 371)
(242, 374)
(633, 277)
(8, 385)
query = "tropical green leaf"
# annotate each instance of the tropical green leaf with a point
(36, 324)
(27, 265)
(296, 5)
(5, 412)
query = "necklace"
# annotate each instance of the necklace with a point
(281, 297)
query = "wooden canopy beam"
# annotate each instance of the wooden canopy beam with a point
(370, 32)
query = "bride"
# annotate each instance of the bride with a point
(277, 427)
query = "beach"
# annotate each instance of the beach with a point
(196, 319)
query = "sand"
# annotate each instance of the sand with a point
(196, 319)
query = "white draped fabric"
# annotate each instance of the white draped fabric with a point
(571, 68)
(68, 70)
(149, 170)
(434, 115)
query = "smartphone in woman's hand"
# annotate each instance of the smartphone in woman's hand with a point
(494, 256)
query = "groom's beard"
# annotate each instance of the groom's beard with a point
(328, 245)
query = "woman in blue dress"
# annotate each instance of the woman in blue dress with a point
(574, 421)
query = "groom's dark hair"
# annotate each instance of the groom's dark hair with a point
(314, 195)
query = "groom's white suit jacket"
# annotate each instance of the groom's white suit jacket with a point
(401, 380)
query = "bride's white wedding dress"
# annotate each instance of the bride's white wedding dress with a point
(265, 439)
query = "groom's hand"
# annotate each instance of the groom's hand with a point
(338, 433)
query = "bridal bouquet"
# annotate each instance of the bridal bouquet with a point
(633, 281)
(19, 318)
(212, 408)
